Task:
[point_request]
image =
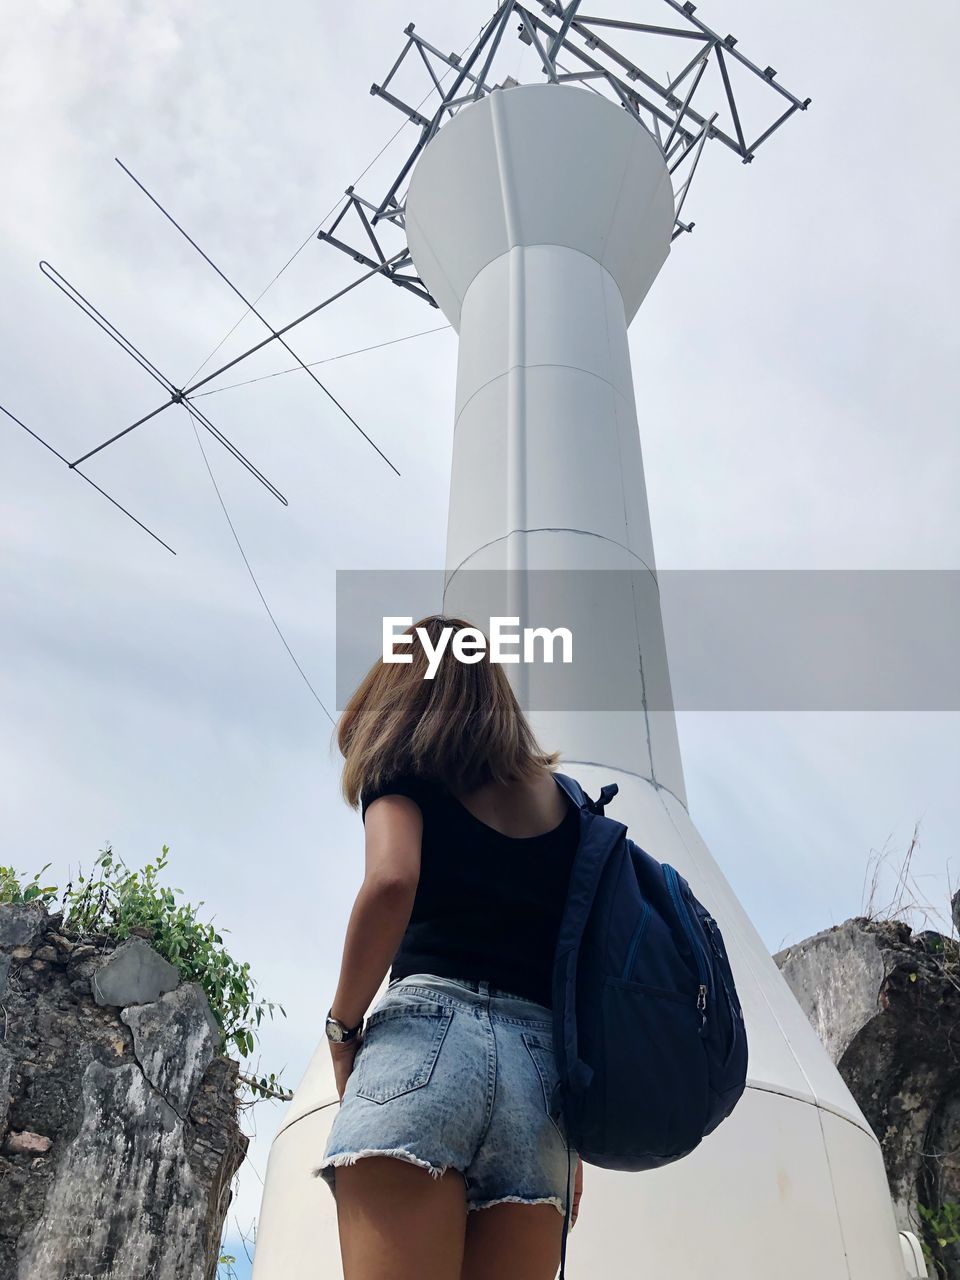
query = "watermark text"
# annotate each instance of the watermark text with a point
(468, 644)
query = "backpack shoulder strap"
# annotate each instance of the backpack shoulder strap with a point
(580, 797)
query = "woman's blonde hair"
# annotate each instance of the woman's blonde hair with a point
(462, 728)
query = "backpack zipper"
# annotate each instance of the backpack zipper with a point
(638, 934)
(673, 886)
(720, 950)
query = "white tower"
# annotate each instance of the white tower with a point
(538, 218)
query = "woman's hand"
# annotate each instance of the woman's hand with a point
(577, 1192)
(343, 1054)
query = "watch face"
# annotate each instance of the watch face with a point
(334, 1031)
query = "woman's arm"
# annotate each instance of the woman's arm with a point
(377, 924)
(393, 829)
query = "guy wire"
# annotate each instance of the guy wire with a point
(253, 576)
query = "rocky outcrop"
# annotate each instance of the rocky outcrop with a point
(118, 1118)
(886, 1003)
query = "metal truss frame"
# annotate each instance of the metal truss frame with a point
(666, 111)
(671, 119)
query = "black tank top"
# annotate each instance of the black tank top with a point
(487, 905)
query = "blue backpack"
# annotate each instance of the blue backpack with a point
(649, 1036)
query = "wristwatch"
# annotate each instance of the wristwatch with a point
(339, 1032)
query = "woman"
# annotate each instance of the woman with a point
(445, 1092)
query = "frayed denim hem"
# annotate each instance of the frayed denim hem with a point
(400, 1153)
(554, 1200)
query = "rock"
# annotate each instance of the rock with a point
(4, 973)
(123, 1192)
(46, 953)
(133, 974)
(6, 1070)
(21, 924)
(130, 1185)
(174, 1039)
(61, 943)
(835, 976)
(84, 970)
(83, 962)
(886, 1004)
(21, 953)
(27, 1144)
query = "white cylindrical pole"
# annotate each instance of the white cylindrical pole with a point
(538, 218)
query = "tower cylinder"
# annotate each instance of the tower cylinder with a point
(539, 224)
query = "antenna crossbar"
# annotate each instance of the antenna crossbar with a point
(187, 392)
(176, 396)
(72, 466)
(275, 334)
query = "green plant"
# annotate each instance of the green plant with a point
(12, 891)
(944, 1225)
(228, 1259)
(113, 901)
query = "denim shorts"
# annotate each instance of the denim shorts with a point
(455, 1073)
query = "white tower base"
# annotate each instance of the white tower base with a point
(538, 218)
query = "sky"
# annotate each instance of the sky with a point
(795, 371)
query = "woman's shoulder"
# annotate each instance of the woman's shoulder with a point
(400, 783)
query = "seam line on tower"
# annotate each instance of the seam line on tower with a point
(547, 528)
(540, 364)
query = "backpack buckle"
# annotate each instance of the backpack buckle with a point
(606, 795)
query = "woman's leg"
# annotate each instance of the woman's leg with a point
(513, 1242)
(398, 1222)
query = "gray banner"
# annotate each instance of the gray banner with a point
(737, 640)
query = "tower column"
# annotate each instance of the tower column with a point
(539, 224)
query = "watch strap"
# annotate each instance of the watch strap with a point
(346, 1033)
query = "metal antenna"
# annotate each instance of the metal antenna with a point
(47, 445)
(273, 332)
(181, 395)
(176, 395)
(391, 266)
(679, 128)
(186, 392)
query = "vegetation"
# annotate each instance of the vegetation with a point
(940, 1224)
(228, 1260)
(114, 902)
(943, 1224)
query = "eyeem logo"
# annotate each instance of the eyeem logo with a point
(469, 643)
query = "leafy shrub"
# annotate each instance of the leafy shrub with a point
(11, 889)
(114, 901)
(943, 1224)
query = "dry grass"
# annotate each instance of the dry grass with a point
(908, 903)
